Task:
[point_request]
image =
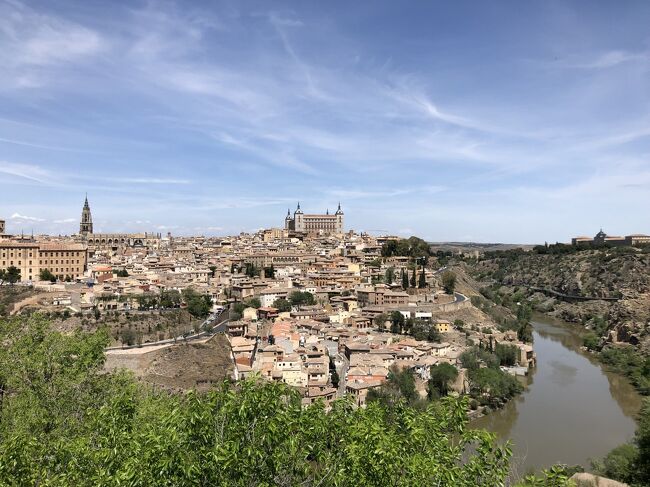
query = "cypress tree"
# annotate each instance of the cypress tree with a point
(422, 283)
(405, 280)
(413, 278)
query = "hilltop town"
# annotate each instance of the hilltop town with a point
(329, 312)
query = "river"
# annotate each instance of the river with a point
(572, 409)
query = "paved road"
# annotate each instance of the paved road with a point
(342, 371)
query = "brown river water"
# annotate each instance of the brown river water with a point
(572, 409)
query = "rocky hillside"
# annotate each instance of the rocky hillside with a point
(618, 272)
(622, 273)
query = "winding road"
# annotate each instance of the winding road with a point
(223, 315)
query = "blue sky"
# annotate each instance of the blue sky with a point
(485, 121)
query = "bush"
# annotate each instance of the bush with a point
(591, 341)
(617, 464)
(508, 354)
(449, 282)
(76, 425)
(128, 336)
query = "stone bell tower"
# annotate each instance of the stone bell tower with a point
(86, 225)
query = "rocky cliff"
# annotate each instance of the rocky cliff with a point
(619, 274)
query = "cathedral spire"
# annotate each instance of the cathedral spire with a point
(86, 225)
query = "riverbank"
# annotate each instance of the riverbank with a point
(572, 410)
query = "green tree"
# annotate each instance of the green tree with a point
(412, 247)
(12, 275)
(299, 298)
(508, 354)
(442, 375)
(253, 303)
(390, 275)
(269, 272)
(422, 282)
(493, 383)
(397, 322)
(282, 305)
(413, 279)
(400, 386)
(472, 358)
(198, 305)
(525, 332)
(239, 308)
(46, 275)
(334, 375)
(449, 282)
(170, 298)
(380, 321)
(405, 280)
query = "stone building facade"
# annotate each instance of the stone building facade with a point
(112, 240)
(64, 260)
(315, 224)
(602, 238)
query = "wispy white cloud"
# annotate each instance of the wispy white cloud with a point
(350, 194)
(37, 146)
(280, 24)
(27, 172)
(135, 180)
(33, 42)
(611, 59)
(25, 218)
